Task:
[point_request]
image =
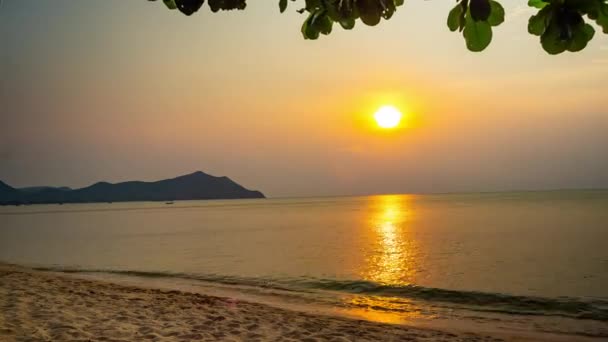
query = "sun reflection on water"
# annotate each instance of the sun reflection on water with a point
(388, 262)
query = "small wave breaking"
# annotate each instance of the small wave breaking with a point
(571, 307)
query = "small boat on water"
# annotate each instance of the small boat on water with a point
(170, 202)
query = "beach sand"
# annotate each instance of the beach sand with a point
(46, 306)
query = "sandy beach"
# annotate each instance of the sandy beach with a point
(45, 306)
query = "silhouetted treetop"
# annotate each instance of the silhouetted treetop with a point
(562, 25)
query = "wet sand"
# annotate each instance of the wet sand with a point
(46, 306)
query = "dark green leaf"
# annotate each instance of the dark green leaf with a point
(308, 30)
(454, 18)
(551, 39)
(538, 23)
(387, 8)
(537, 3)
(321, 22)
(478, 34)
(462, 20)
(170, 4)
(369, 11)
(347, 24)
(282, 5)
(602, 16)
(580, 37)
(497, 14)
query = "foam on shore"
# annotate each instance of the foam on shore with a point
(47, 306)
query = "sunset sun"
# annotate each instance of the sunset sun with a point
(387, 116)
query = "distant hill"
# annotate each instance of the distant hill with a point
(32, 189)
(195, 186)
(8, 193)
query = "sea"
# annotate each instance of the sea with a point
(527, 262)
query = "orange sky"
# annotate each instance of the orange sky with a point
(120, 90)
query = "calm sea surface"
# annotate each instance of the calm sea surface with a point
(520, 256)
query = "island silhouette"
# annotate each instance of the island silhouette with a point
(194, 186)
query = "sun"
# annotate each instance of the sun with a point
(387, 117)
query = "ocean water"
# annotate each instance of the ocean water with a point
(525, 261)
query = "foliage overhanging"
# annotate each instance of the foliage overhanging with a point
(562, 25)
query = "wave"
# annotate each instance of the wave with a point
(578, 308)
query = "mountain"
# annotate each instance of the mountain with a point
(32, 189)
(195, 186)
(8, 193)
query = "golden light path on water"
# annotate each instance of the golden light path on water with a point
(391, 261)
(388, 218)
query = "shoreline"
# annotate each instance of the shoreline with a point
(48, 306)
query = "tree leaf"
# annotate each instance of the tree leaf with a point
(540, 4)
(308, 30)
(282, 5)
(387, 8)
(347, 24)
(478, 34)
(497, 14)
(580, 37)
(602, 16)
(551, 40)
(226, 5)
(188, 7)
(454, 18)
(538, 23)
(170, 4)
(369, 11)
(480, 9)
(463, 20)
(322, 23)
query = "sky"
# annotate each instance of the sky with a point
(122, 90)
